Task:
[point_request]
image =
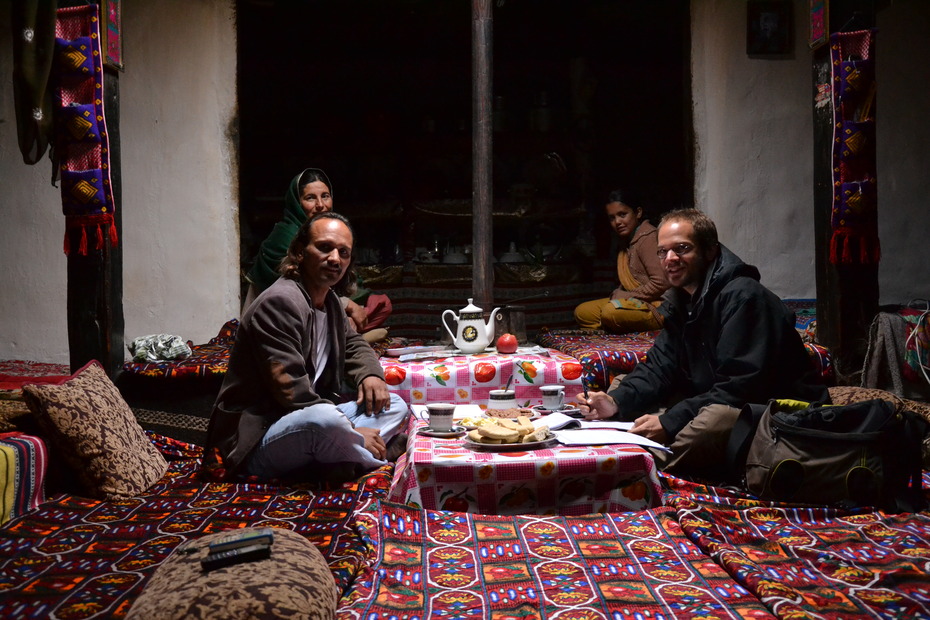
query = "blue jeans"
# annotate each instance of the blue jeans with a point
(305, 441)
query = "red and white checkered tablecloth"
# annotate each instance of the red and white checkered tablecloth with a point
(444, 474)
(463, 379)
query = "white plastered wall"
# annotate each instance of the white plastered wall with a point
(903, 128)
(179, 208)
(754, 156)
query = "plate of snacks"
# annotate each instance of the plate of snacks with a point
(512, 413)
(505, 435)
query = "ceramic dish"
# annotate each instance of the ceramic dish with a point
(456, 431)
(509, 447)
(568, 410)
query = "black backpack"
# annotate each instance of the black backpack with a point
(860, 454)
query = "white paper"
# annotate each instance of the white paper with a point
(619, 426)
(426, 355)
(556, 420)
(467, 411)
(594, 437)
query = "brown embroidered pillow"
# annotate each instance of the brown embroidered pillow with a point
(295, 582)
(91, 428)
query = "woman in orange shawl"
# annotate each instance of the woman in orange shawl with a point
(632, 306)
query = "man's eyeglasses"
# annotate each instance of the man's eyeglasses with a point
(682, 249)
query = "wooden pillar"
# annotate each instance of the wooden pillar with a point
(482, 155)
(95, 281)
(847, 295)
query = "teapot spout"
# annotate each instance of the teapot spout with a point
(491, 325)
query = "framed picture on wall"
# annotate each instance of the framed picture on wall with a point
(820, 20)
(768, 27)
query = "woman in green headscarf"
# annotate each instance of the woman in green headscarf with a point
(309, 193)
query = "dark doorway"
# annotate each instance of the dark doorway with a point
(588, 95)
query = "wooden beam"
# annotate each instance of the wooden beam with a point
(95, 281)
(482, 154)
(847, 295)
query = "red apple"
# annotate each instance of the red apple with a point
(507, 343)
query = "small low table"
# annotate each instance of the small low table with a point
(444, 474)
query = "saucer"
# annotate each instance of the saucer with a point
(455, 431)
(568, 410)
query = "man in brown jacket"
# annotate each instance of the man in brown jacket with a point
(276, 415)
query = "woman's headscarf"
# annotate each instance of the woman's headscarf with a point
(274, 248)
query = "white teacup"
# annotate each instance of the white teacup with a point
(502, 399)
(553, 396)
(440, 416)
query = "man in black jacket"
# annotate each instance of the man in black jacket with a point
(727, 341)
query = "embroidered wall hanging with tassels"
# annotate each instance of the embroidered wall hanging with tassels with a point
(854, 221)
(81, 135)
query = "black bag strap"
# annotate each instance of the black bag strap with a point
(741, 435)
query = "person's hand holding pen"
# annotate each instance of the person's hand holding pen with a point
(597, 405)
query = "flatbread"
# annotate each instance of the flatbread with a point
(511, 414)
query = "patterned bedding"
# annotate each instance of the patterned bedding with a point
(709, 552)
(206, 360)
(603, 356)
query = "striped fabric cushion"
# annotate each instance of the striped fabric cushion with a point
(23, 462)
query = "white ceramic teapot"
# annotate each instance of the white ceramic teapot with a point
(472, 334)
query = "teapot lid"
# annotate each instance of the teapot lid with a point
(470, 307)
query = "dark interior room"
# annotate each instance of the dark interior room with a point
(587, 96)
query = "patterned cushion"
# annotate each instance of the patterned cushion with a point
(294, 582)
(93, 431)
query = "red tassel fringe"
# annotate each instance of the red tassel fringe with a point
(99, 239)
(843, 245)
(82, 248)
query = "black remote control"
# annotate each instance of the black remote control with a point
(243, 538)
(235, 556)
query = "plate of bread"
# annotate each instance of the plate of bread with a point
(507, 435)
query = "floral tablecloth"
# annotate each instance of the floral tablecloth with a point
(443, 474)
(465, 379)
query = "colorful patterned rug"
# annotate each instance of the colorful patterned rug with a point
(709, 553)
(80, 558)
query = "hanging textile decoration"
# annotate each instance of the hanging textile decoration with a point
(854, 221)
(81, 133)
